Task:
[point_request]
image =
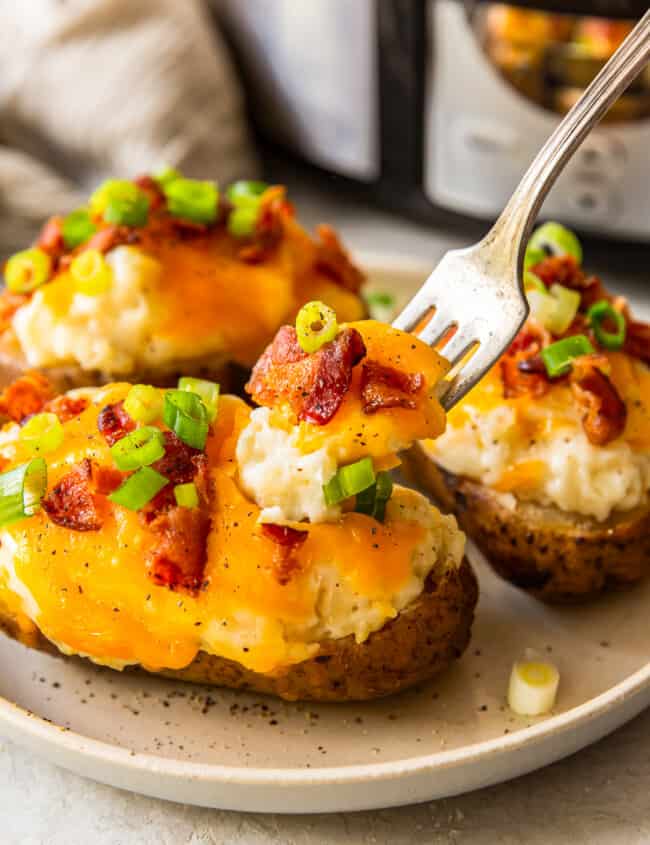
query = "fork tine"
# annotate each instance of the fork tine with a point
(437, 326)
(414, 312)
(459, 344)
(466, 378)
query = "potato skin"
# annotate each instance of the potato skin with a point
(556, 556)
(425, 638)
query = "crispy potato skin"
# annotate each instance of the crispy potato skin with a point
(425, 638)
(556, 556)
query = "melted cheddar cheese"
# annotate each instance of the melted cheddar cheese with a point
(90, 593)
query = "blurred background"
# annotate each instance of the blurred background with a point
(429, 110)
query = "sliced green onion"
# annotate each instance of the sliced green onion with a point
(91, 273)
(533, 282)
(349, 480)
(242, 221)
(166, 175)
(140, 448)
(187, 416)
(558, 356)
(144, 403)
(27, 270)
(186, 495)
(120, 202)
(373, 500)
(207, 391)
(567, 303)
(533, 256)
(555, 239)
(42, 433)
(192, 200)
(246, 191)
(542, 306)
(77, 228)
(138, 489)
(600, 313)
(533, 687)
(315, 325)
(21, 491)
(381, 305)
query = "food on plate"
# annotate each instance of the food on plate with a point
(186, 533)
(533, 687)
(546, 462)
(165, 275)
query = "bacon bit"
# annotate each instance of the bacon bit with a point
(152, 189)
(71, 503)
(637, 340)
(520, 373)
(9, 304)
(181, 551)
(50, 239)
(107, 238)
(66, 407)
(287, 542)
(314, 385)
(385, 387)
(269, 229)
(605, 413)
(333, 260)
(107, 479)
(26, 396)
(114, 422)
(565, 270)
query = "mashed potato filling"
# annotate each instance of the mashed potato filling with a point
(540, 453)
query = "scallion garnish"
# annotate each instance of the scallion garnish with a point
(166, 175)
(144, 403)
(42, 433)
(246, 191)
(349, 480)
(186, 495)
(77, 228)
(601, 313)
(567, 303)
(21, 491)
(242, 221)
(207, 391)
(192, 200)
(373, 500)
(315, 325)
(138, 489)
(552, 239)
(27, 270)
(558, 356)
(120, 202)
(187, 416)
(140, 448)
(533, 282)
(91, 273)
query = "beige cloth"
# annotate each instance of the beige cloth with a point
(97, 88)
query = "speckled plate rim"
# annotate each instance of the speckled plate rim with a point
(622, 702)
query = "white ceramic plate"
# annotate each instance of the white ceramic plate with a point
(238, 751)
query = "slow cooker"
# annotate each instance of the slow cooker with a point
(439, 105)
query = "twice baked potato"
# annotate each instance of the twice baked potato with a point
(189, 535)
(546, 463)
(162, 277)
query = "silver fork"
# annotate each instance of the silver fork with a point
(479, 290)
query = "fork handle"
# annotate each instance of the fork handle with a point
(517, 219)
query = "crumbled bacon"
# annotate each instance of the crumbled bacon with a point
(315, 384)
(385, 387)
(335, 262)
(50, 239)
(565, 270)
(9, 304)
(106, 479)
(287, 541)
(114, 422)
(66, 407)
(153, 191)
(637, 340)
(26, 396)
(180, 554)
(604, 412)
(274, 210)
(107, 238)
(72, 503)
(519, 368)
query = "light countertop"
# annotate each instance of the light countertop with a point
(597, 797)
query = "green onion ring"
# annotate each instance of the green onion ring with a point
(316, 325)
(138, 489)
(558, 356)
(42, 433)
(187, 416)
(349, 481)
(140, 448)
(597, 315)
(207, 391)
(186, 495)
(21, 491)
